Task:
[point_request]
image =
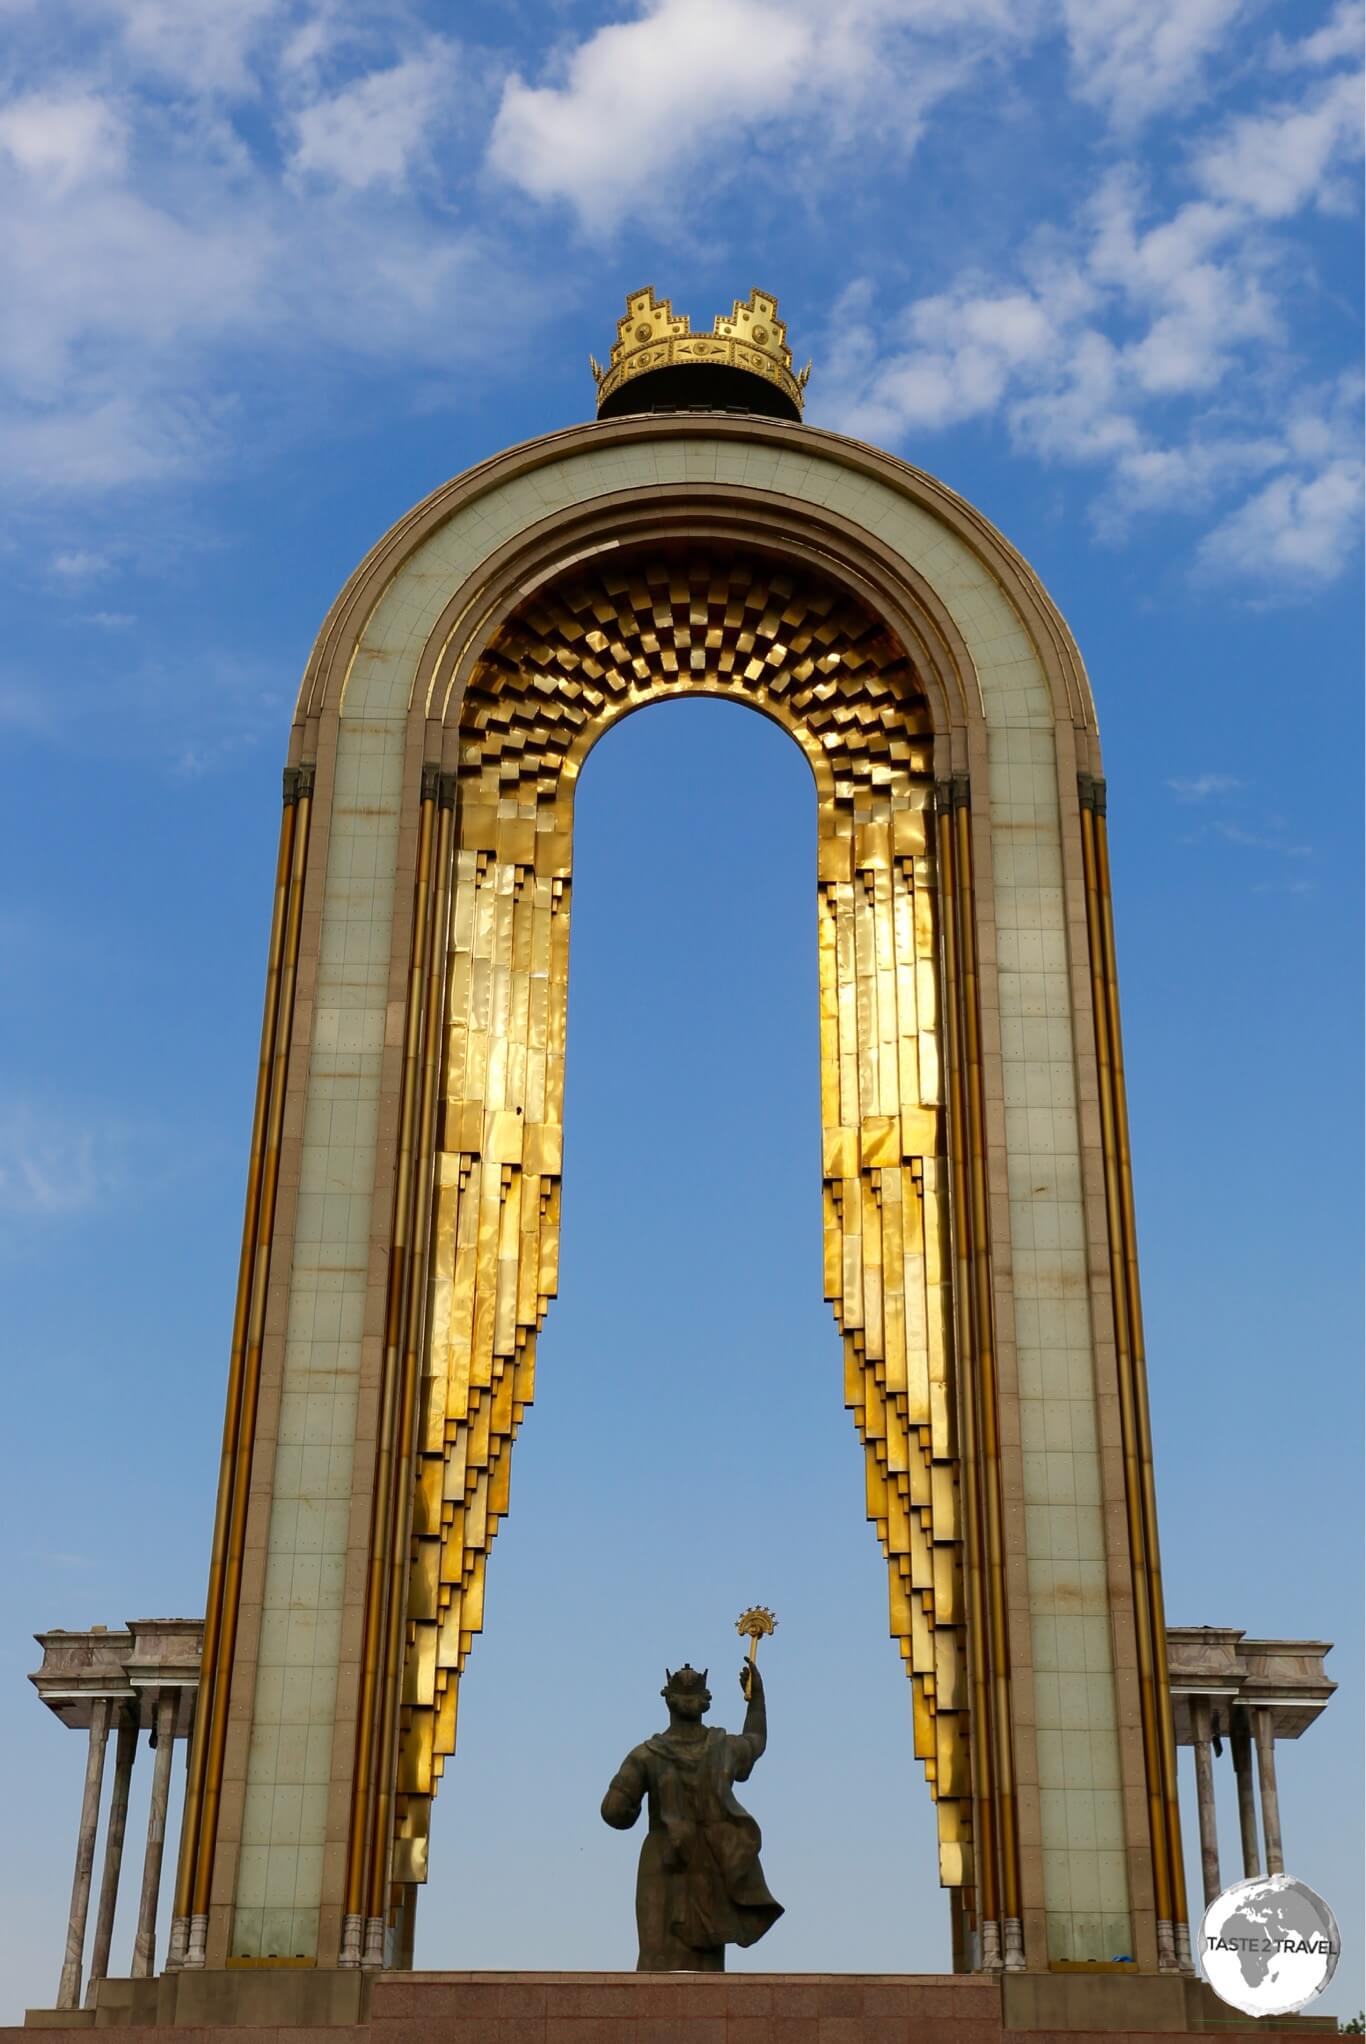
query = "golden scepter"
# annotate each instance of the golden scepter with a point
(753, 1624)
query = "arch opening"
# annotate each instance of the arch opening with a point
(579, 654)
(694, 945)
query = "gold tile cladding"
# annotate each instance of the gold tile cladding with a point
(577, 657)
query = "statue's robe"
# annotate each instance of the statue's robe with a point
(699, 1887)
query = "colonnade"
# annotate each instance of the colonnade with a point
(139, 1679)
(1249, 1728)
(1250, 1693)
(106, 1715)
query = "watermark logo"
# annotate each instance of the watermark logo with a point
(1269, 1945)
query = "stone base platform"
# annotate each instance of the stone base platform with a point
(312, 2006)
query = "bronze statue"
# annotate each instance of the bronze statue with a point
(700, 1886)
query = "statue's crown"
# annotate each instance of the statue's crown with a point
(750, 339)
(685, 1678)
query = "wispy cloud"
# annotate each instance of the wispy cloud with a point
(210, 194)
(59, 1161)
(1280, 855)
(1200, 787)
(1152, 345)
(80, 564)
(1136, 58)
(52, 1557)
(1263, 841)
(213, 48)
(1302, 527)
(205, 204)
(51, 1167)
(378, 129)
(128, 701)
(701, 90)
(25, 707)
(200, 756)
(1340, 39)
(1293, 154)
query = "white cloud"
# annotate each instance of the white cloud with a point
(157, 254)
(640, 96)
(1199, 787)
(376, 129)
(83, 441)
(1152, 348)
(646, 110)
(1340, 37)
(1300, 528)
(24, 708)
(1263, 841)
(205, 46)
(1187, 476)
(1135, 58)
(49, 1165)
(79, 564)
(1277, 162)
(966, 347)
(690, 89)
(224, 190)
(61, 141)
(1198, 303)
(60, 1160)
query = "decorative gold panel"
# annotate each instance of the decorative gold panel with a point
(579, 655)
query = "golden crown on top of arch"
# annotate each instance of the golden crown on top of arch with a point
(651, 335)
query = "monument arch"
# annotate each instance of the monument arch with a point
(403, 1197)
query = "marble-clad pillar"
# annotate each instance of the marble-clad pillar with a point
(1266, 1772)
(144, 1942)
(1204, 1793)
(69, 1992)
(1247, 1801)
(125, 1751)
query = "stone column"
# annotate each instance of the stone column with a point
(125, 1752)
(1266, 1774)
(1204, 1795)
(144, 1942)
(1247, 1802)
(69, 1992)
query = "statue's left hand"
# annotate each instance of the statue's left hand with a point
(751, 1681)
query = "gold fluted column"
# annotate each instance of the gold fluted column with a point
(993, 1735)
(362, 1936)
(1158, 1732)
(209, 1736)
(986, 1902)
(414, 1333)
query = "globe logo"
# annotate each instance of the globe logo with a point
(1269, 1945)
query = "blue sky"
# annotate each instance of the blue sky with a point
(275, 270)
